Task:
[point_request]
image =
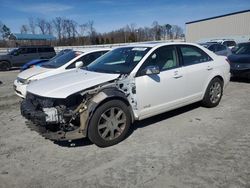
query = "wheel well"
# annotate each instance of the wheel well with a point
(108, 99)
(220, 77)
(115, 98)
(6, 61)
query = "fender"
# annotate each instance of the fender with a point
(212, 76)
(97, 100)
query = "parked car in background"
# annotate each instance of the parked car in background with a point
(35, 62)
(126, 84)
(64, 63)
(240, 61)
(227, 42)
(21, 55)
(38, 62)
(234, 49)
(217, 48)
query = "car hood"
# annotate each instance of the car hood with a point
(239, 58)
(32, 72)
(65, 84)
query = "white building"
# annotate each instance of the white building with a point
(230, 26)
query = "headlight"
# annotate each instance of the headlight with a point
(24, 81)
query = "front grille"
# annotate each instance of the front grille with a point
(40, 102)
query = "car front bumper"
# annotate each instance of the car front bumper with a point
(38, 122)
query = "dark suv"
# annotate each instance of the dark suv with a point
(21, 55)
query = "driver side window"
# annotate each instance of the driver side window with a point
(164, 58)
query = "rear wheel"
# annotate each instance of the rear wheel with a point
(5, 65)
(213, 93)
(109, 123)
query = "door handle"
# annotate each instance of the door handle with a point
(178, 76)
(210, 68)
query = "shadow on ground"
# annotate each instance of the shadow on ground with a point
(161, 117)
(135, 126)
(74, 143)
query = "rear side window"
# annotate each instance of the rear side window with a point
(192, 55)
(31, 50)
(45, 49)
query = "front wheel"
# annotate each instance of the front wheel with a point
(109, 123)
(213, 93)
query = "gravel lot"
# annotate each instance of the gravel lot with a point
(189, 147)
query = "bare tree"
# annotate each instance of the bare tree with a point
(5, 31)
(24, 29)
(156, 30)
(57, 22)
(83, 29)
(73, 26)
(32, 25)
(168, 29)
(1, 29)
(49, 27)
(177, 31)
(41, 24)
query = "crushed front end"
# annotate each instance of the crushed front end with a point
(55, 119)
(68, 119)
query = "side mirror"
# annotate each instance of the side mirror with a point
(78, 64)
(150, 70)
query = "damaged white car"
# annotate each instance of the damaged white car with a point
(129, 83)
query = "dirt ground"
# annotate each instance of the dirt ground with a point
(189, 147)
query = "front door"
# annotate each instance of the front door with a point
(157, 93)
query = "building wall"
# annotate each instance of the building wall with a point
(235, 26)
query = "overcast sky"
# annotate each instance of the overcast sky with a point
(114, 14)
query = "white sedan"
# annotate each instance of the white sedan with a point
(64, 63)
(129, 83)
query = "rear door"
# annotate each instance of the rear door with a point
(46, 52)
(23, 56)
(31, 54)
(197, 66)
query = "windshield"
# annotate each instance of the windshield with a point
(61, 60)
(243, 49)
(120, 60)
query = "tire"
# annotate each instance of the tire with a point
(105, 127)
(5, 65)
(213, 93)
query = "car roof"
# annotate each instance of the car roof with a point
(35, 46)
(157, 44)
(85, 50)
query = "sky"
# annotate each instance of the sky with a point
(109, 15)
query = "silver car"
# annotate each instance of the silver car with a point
(21, 55)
